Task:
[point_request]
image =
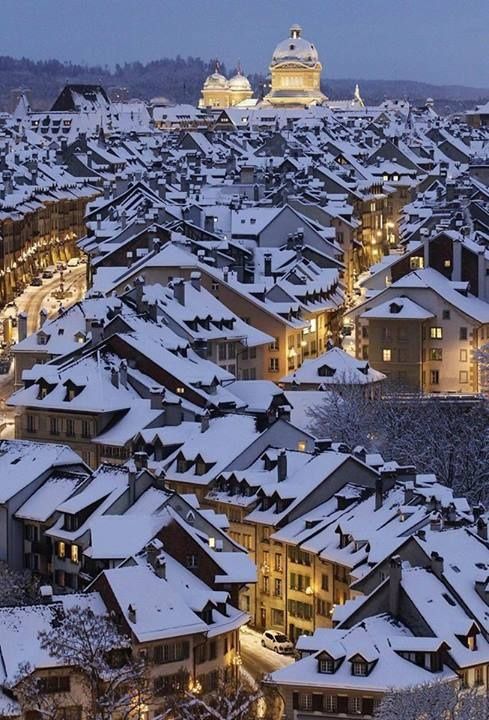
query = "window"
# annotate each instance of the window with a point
(277, 617)
(463, 356)
(463, 333)
(356, 705)
(180, 390)
(434, 377)
(54, 426)
(463, 376)
(266, 585)
(222, 351)
(70, 428)
(74, 553)
(54, 684)
(359, 668)
(323, 608)
(31, 423)
(446, 315)
(278, 562)
(247, 543)
(479, 676)
(61, 550)
(277, 587)
(70, 713)
(192, 561)
(386, 354)
(274, 365)
(436, 354)
(326, 666)
(330, 704)
(305, 701)
(85, 428)
(325, 582)
(172, 652)
(275, 344)
(436, 333)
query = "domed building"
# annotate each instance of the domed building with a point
(296, 72)
(219, 92)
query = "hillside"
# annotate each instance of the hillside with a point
(180, 79)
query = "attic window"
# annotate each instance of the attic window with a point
(326, 666)
(180, 390)
(395, 308)
(359, 669)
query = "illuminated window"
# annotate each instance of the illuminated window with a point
(436, 333)
(61, 550)
(436, 354)
(180, 390)
(416, 263)
(74, 553)
(386, 354)
(301, 446)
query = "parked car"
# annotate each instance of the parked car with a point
(61, 267)
(37, 281)
(73, 262)
(48, 273)
(277, 641)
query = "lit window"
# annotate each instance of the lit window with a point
(436, 333)
(180, 390)
(436, 354)
(386, 354)
(74, 553)
(61, 550)
(301, 446)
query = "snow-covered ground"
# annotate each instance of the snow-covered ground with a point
(257, 660)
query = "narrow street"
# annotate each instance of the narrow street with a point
(257, 660)
(32, 301)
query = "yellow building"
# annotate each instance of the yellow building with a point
(219, 92)
(296, 73)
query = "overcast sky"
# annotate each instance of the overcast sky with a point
(439, 41)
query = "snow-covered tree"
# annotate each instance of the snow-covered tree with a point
(114, 682)
(434, 701)
(229, 701)
(17, 587)
(449, 439)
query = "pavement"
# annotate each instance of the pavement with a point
(31, 301)
(257, 660)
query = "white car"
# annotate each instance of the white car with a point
(277, 641)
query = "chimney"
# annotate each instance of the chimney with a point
(268, 264)
(408, 492)
(156, 393)
(282, 466)
(97, 328)
(436, 521)
(153, 311)
(43, 316)
(140, 460)
(22, 326)
(436, 564)
(46, 592)
(379, 488)
(209, 223)
(131, 483)
(123, 373)
(395, 574)
(225, 273)
(114, 377)
(195, 280)
(179, 291)
(139, 288)
(173, 413)
(131, 613)
(482, 529)
(204, 421)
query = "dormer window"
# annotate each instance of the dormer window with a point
(200, 467)
(359, 668)
(326, 666)
(472, 642)
(181, 465)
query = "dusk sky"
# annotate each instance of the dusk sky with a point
(439, 41)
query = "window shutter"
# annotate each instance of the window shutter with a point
(367, 706)
(295, 701)
(317, 702)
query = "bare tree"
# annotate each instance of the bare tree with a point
(228, 701)
(17, 587)
(434, 701)
(113, 680)
(447, 438)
